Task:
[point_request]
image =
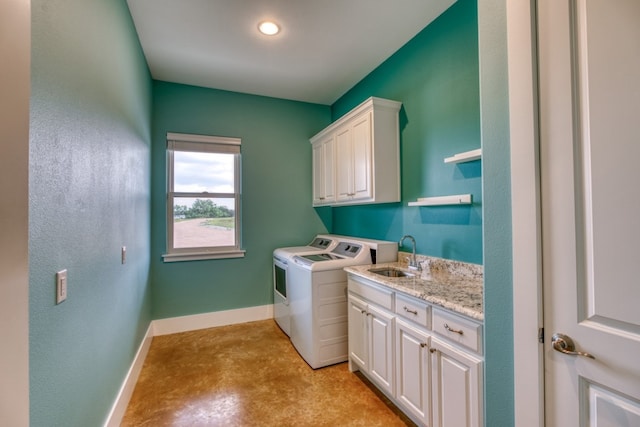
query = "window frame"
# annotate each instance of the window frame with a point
(202, 144)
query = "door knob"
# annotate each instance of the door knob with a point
(564, 344)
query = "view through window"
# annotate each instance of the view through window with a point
(203, 198)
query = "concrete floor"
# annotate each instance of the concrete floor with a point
(249, 375)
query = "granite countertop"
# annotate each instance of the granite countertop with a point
(450, 289)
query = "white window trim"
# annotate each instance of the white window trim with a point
(202, 143)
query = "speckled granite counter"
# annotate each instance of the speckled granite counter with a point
(453, 285)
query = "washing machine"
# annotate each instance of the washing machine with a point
(317, 294)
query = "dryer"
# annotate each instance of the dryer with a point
(281, 258)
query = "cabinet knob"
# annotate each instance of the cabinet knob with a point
(423, 344)
(432, 350)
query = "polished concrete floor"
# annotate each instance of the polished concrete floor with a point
(248, 375)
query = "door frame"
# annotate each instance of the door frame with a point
(15, 16)
(526, 212)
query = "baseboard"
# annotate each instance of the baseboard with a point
(124, 395)
(193, 322)
(171, 326)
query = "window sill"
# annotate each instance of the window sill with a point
(198, 256)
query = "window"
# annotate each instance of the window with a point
(203, 197)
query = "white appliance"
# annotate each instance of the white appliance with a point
(317, 293)
(281, 259)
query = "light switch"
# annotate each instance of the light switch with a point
(61, 286)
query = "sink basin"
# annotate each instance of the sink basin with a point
(391, 272)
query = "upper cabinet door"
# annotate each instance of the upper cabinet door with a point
(324, 171)
(344, 163)
(361, 148)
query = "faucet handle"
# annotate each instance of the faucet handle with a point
(412, 264)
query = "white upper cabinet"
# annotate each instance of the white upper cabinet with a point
(366, 165)
(323, 170)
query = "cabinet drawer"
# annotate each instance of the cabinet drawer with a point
(376, 294)
(413, 309)
(458, 330)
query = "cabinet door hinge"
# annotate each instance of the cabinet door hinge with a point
(541, 335)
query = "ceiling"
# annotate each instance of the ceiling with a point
(324, 49)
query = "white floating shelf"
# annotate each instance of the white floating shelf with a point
(460, 199)
(467, 156)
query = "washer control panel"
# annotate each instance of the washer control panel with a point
(347, 249)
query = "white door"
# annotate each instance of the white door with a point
(589, 74)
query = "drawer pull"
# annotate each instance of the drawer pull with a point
(432, 350)
(455, 331)
(410, 311)
(423, 344)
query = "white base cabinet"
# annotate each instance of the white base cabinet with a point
(413, 371)
(373, 341)
(456, 386)
(356, 160)
(395, 340)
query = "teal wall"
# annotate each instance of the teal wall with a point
(498, 294)
(276, 193)
(88, 196)
(435, 76)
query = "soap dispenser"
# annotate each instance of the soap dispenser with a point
(426, 270)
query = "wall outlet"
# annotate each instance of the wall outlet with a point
(123, 255)
(61, 286)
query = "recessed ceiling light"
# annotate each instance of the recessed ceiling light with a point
(269, 28)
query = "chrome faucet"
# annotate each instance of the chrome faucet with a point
(413, 265)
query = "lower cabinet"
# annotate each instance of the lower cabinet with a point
(413, 371)
(456, 378)
(358, 340)
(372, 336)
(432, 378)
